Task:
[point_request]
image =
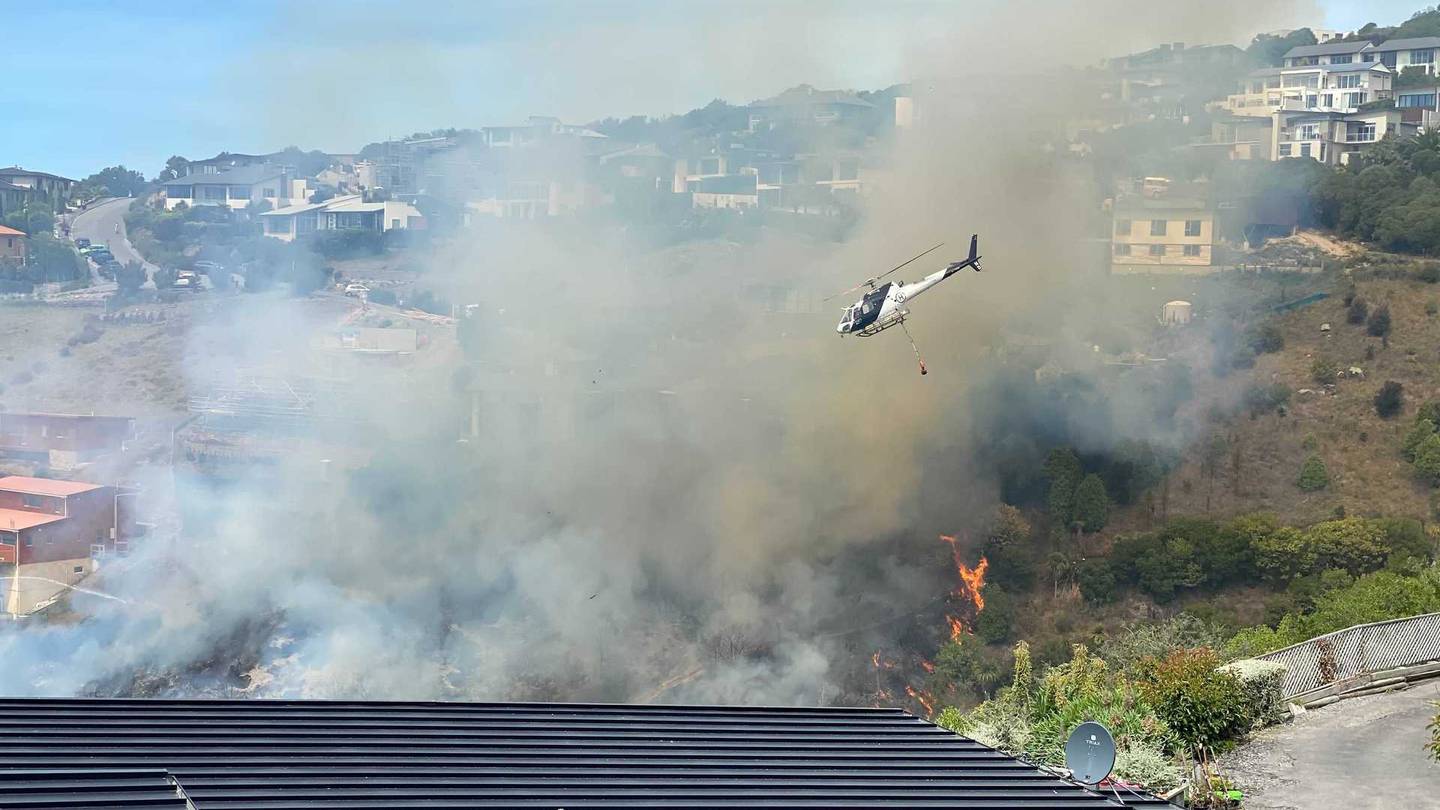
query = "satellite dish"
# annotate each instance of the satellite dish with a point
(1090, 753)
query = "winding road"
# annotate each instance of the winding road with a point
(103, 223)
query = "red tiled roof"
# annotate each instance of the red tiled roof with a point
(12, 520)
(4, 231)
(44, 486)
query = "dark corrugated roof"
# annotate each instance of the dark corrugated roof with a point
(290, 754)
(93, 790)
(1328, 48)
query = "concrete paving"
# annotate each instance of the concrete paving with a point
(1360, 753)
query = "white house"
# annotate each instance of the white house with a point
(1322, 88)
(340, 214)
(1333, 137)
(236, 188)
(1398, 54)
(1331, 53)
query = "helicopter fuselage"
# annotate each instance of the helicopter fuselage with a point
(884, 306)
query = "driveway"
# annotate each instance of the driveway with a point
(1360, 753)
(103, 223)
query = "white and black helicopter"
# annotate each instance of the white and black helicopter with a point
(884, 306)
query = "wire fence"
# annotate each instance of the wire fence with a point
(1358, 650)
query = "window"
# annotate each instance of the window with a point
(1192, 250)
(269, 193)
(1423, 100)
(239, 192)
(1361, 132)
(1157, 227)
(1122, 250)
(79, 569)
(1422, 56)
(214, 192)
(1387, 59)
(1122, 227)
(1304, 150)
(29, 541)
(1327, 100)
(1192, 227)
(1340, 59)
(277, 225)
(1309, 132)
(1311, 102)
(1355, 99)
(1349, 80)
(1157, 250)
(394, 223)
(7, 540)
(179, 192)
(33, 501)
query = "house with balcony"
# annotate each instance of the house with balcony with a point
(348, 213)
(1330, 53)
(1411, 52)
(1326, 88)
(52, 187)
(52, 532)
(236, 188)
(728, 191)
(1334, 138)
(1166, 231)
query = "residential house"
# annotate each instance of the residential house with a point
(12, 248)
(1411, 52)
(53, 187)
(347, 213)
(1334, 138)
(728, 191)
(1169, 231)
(236, 188)
(13, 197)
(51, 533)
(224, 162)
(806, 105)
(1330, 53)
(63, 440)
(1339, 88)
(1162, 80)
(1239, 137)
(538, 128)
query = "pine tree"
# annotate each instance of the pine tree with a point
(1063, 471)
(1313, 475)
(1092, 505)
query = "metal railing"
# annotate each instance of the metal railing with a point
(1358, 650)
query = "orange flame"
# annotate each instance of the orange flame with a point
(969, 591)
(925, 700)
(927, 666)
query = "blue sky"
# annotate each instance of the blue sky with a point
(98, 82)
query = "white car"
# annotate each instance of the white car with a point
(357, 290)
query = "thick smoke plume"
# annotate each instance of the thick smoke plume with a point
(646, 487)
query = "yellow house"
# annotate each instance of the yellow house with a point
(1162, 234)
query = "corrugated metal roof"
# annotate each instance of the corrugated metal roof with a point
(97, 790)
(1328, 48)
(14, 520)
(261, 754)
(1407, 43)
(44, 486)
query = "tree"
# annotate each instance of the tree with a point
(1354, 544)
(175, 167)
(1390, 399)
(1092, 505)
(1427, 459)
(1379, 323)
(1357, 311)
(1062, 470)
(1010, 528)
(1270, 50)
(1419, 432)
(1284, 554)
(1324, 371)
(116, 181)
(1313, 476)
(130, 278)
(1265, 339)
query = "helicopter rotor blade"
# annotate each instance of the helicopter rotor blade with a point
(884, 274)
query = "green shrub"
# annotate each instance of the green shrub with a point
(1357, 311)
(1429, 274)
(1264, 685)
(1419, 432)
(1265, 339)
(1284, 554)
(1092, 505)
(1427, 459)
(1313, 476)
(1378, 325)
(1137, 641)
(1324, 371)
(996, 622)
(1262, 399)
(1096, 579)
(1355, 544)
(1390, 399)
(1204, 706)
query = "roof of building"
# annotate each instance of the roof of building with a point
(291, 210)
(330, 754)
(44, 486)
(238, 176)
(12, 520)
(44, 415)
(119, 789)
(357, 205)
(7, 231)
(1328, 49)
(1406, 43)
(1134, 203)
(16, 171)
(1351, 68)
(729, 184)
(1265, 72)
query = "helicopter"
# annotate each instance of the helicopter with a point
(884, 306)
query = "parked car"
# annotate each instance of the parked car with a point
(101, 257)
(356, 289)
(82, 243)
